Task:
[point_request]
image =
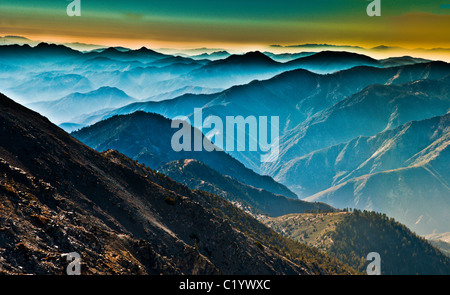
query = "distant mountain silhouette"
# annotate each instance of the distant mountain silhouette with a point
(42, 52)
(73, 105)
(284, 57)
(144, 73)
(238, 69)
(142, 54)
(249, 58)
(49, 86)
(331, 61)
(212, 56)
(402, 61)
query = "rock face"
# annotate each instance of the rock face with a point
(59, 196)
(197, 175)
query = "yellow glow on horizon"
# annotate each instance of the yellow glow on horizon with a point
(409, 31)
(238, 47)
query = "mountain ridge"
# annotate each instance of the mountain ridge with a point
(62, 196)
(197, 175)
(414, 188)
(150, 144)
(282, 96)
(78, 103)
(350, 235)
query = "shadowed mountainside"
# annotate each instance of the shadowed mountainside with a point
(197, 175)
(147, 138)
(60, 196)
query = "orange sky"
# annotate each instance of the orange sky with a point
(407, 28)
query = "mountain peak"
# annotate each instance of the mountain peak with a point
(54, 47)
(109, 89)
(46, 174)
(143, 49)
(252, 57)
(329, 54)
(111, 50)
(44, 45)
(256, 56)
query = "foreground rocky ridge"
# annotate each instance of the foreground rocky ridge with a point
(59, 196)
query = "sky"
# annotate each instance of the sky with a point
(230, 24)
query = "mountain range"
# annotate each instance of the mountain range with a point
(256, 201)
(144, 73)
(76, 104)
(294, 96)
(324, 124)
(400, 171)
(121, 217)
(375, 108)
(357, 136)
(124, 218)
(146, 138)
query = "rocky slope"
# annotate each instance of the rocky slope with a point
(197, 175)
(58, 196)
(147, 138)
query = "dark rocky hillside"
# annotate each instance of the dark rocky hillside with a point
(59, 196)
(146, 137)
(197, 175)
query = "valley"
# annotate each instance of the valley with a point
(88, 164)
